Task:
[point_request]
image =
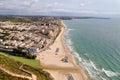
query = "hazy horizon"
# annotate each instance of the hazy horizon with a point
(60, 8)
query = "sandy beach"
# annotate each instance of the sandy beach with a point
(51, 60)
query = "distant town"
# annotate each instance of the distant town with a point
(26, 36)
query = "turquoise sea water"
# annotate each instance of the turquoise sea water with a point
(95, 43)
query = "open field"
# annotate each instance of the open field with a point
(30, 62)
(12, 68)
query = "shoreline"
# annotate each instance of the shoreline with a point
(51, 62)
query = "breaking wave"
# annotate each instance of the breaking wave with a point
(110, 73)
(94, 72)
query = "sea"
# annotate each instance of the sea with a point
(95, 44)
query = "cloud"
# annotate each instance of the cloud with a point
(30, 2)
(18, 4)
(94, 12)
(82, 4)
(1, 4)
(75, 6)
(28, 5)
(52, 5)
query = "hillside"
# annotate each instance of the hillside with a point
(6, 76)
(15, 70)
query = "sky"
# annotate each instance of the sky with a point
(38, 7)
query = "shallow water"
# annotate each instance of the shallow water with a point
(96, 45)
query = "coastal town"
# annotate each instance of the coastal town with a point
(28, 37)
(39, 43)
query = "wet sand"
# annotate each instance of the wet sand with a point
(51, 60)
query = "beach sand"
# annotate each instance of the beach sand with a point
(51, 61)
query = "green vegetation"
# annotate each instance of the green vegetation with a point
(5, 76)
(13, 19)
(18, 52)
(30, 62)
(19, 19)
(4, 35)
(13, 66)
(42, 75)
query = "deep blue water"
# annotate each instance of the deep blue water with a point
(95, 43)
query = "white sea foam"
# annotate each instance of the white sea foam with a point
(69, 31)
(89, 65)
(103, 78)
(77, 56)
(91, 68)
(110, 73)
(70, 45)
(93, 71)
(93, 65)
